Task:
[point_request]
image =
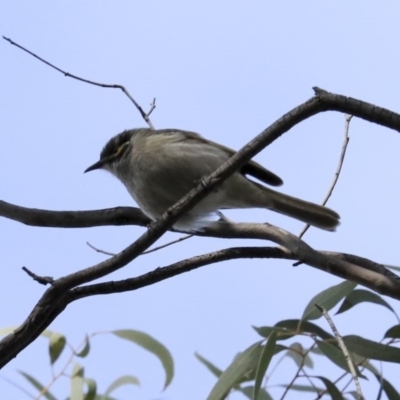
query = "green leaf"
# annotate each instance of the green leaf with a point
(86, 348)
(363, 296)
(249, 390)
(266, 331)
(123, 380)
(241, 365)
(331, 388)
(300, 326)
(41, 388)
(391, 392)
(328, 299)
(91, 389)
(210, 366)
(154, 346)
(393, 332)
(299, 356)
(76, 384)
(57, 343)
(370, 349)
(334, 354)
(286, 329)
(263, 363)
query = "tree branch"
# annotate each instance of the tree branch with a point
(57, 297)
(338, 169)
(103, 85)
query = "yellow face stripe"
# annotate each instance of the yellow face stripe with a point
(120, 150)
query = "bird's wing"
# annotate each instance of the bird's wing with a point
(252, 168)
(256, 170)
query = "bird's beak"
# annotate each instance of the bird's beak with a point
(99, 164)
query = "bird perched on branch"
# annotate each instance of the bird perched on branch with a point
(158, 167)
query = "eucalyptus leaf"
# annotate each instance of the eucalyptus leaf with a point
(363, 296)
(327, 299)
(41, 388)
(210, 366)
(241, 365)
(152, 345)
(121, 381)
(331, 388)
(263, 363)
(370, 349)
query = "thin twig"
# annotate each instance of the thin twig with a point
(345, 352)
(338, 169)
(296, 375)
(152, 107)
(181, 239)
(107, 253)
(104, 85)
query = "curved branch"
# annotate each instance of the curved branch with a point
(358, 269)
(57, 297)
(74, 219)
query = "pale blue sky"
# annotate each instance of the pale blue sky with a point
(227, 70)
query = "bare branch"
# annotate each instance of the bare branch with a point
(65, 289)
(346, 266)
(43, 280)
(345, 352)
(107, 253)
(103, 85)
(181, 239)
(74, 219)
(338, 169)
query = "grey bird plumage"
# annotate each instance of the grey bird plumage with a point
(158, 167)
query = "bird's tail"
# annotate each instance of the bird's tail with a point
(310, 213)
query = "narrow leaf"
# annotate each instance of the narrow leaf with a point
(334, 354)
(152, 345)
(241, 365)
(266, 331)
(391, 392)
(331, 388)
(122, 381)
(328, 299)
(363, 296)
(263, 363)
(41, 388)
(210, 366)
(370, 349)
(299, 326)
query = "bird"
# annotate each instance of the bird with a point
(159, 167)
